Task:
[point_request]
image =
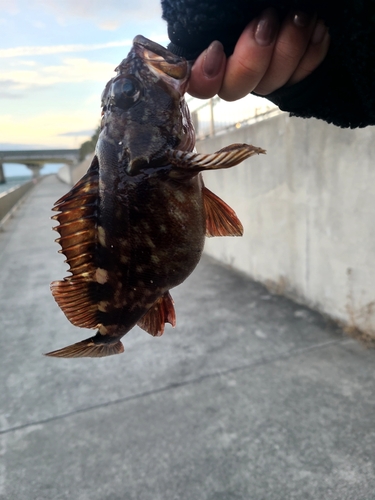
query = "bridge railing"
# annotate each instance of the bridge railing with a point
(10, 200)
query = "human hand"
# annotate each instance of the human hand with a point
(267, 56)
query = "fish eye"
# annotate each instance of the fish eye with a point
(128, 88)
(125, 92)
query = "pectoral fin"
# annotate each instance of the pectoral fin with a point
(160, 313)
(224, 158)
(221, 220)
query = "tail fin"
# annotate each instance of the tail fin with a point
(88, 349)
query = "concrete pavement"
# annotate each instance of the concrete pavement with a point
(250, 397)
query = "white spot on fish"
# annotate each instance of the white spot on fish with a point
(103, 330)
(180, 196)
(149, 242)
(102, 306)
(101, 235)
(101, 276)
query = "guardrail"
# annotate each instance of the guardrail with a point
(10, 201)
(215, 116)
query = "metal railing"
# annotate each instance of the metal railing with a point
(216, 116)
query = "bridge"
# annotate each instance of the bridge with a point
(36, 159)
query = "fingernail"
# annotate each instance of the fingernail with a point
(319, 33)
(213, 59)
(266, 29)
(301, 19)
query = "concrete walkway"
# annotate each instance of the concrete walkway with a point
(250, 397)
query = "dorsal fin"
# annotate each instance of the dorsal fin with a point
(76, 302)
(221, 220)
(78, 240)
(161, 312)
(86, 186)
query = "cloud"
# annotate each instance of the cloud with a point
(22, 63)
(13, 89)
(109, 25)
(7, 88)
(47, 128)
(76, 70)
(72, 70)
(42, 50)
(9, 7)
(79, 133)
(103, 11)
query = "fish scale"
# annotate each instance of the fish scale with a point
(134, 226)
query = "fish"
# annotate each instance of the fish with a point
(133, 227)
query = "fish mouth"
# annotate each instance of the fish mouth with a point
(175, 70)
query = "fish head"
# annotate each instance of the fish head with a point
(143, 109)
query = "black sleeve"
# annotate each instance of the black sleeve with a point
(340, 91)
(330, 94)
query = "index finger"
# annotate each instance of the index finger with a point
(251, 57)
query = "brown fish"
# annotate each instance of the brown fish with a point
(134, 226)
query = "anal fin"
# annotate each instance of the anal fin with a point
(221, 220)
(161, 312)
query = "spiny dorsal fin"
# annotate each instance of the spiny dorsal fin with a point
(221, 220)
(160, 313)
(224, 158)
(78, 239)
(85, 187)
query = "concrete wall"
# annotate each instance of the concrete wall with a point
(308, 209)
(80, 170)
(64, 174)
(71, 174)
(11, 199)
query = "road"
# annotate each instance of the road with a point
(250, 397)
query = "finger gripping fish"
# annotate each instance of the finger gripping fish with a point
(134, 226)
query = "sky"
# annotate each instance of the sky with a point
(55, 59)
